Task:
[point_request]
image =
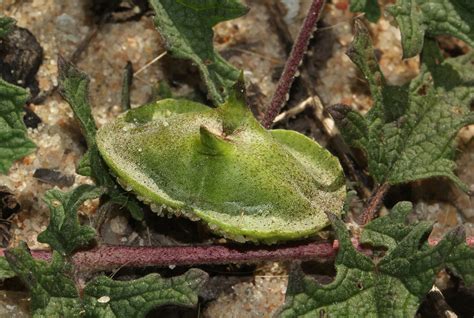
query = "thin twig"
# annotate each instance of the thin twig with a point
(375, 202)
(294, 110)
(127, 81)
(294, 60)
(144, 67)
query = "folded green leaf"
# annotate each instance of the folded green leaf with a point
(221, 166)
(53, 292)
(417, 18)
(74, 87)
(369, 7)
(409, 132)
(186, 27)
(393, 286)
(104, 297)
(64, 233)
(14, 143)
(6, 25)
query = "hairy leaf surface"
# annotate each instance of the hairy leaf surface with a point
(369, 7)
(14, 143)
(64, 232)
(220, 165)
(104, 297)
(409, 132)
(186, 27)
(417, 18)
(74, 87)
(394, 285)
(5, 269)
(54, 292)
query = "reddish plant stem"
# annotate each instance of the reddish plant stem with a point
(375, 202)
(111, 257)
(293, 62)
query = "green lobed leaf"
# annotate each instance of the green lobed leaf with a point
(14, 143)
(74, 87)
(53, 292)
(369, 7)
(5, 269)
(6, 25)
(64, 233)
(409, 132)
(104, 297)
(395, 285)
(417, 18)
(186, 27)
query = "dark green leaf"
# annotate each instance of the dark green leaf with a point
(5, 269)
(417, 18)
(64, 233)
(104, 297)
(409, 132)
(393, 286)
(186, 26)
(74, 87)
(14, 143)
(369, 7)
(84, 166)
(53, 292)
(6, 25)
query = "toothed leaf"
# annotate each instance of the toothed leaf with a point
(409, 132)
(418, 18)
(186, 27)
(369, 7)
(14, 142)
(64, 232)
(53, 292)
(104, 297)
(74, 87)
(394, 286)
(5, 269)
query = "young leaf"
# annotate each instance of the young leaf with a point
(104, 297)
(14, 143)
(74, 87)
(186, 26)
(53, 292)
(417, 18)
(392, 287)
(409, 132)
(369, 7)
(64, 233)
(6, 25)
(5, 269)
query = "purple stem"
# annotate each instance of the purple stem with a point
(109, 257)
(293, 62)
(112, 257)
